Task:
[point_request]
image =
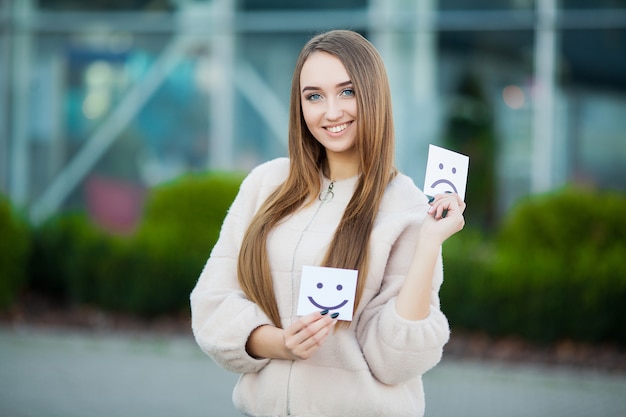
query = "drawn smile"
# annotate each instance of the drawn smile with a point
(325, 307)
(443, 181)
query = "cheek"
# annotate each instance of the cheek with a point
(310, 115)
(353, 108)
(311, 123)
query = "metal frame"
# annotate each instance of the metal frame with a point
(19, 20)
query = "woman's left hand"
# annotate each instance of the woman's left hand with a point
(444, 217)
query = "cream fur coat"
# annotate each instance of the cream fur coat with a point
(374, 367)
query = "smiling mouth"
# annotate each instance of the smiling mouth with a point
(325, 307)
(436, 183)
(338, 129)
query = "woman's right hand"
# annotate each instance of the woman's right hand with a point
(307, 334)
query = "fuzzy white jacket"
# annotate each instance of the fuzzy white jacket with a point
(374, 367)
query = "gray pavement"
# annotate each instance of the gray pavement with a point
(61, 373)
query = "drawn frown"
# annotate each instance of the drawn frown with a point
(446, 171)
(445, 181)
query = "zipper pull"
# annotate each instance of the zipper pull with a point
(327, 195)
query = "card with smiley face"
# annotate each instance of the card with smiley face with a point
(332, 289)
(446, 171)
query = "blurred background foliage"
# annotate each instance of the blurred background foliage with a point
(133, 231)
(14, 246)
(553, 270)
(149, 272)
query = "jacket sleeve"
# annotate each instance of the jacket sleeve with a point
(397, 349)
(222, 318)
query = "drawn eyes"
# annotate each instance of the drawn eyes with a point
(453, 168)
(320, 286)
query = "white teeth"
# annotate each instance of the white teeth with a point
(337, 129)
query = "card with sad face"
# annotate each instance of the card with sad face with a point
(446, 171)
(323, 288)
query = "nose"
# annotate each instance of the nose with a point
(333, 109)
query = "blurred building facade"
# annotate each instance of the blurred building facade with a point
(117, 96)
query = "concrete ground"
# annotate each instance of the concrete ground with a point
(46, 373)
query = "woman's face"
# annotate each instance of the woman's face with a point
(329, 106)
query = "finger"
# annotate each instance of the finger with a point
(442, 207)
(316, 339)
(442, 211)
(459, 201)
(438, 198)
(314, 327)
(462, 205)
(310, 338)
(304, 321)
(319, 337)
(451, 205)
(437, 207)
(307, 325)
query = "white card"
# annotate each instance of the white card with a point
(331, 289)
(445, 171)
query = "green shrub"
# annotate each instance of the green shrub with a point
(69, 255)
(466, 256)
(559, 270)
(149, 273)
(14, 244)
(555, 270)
(180, 227)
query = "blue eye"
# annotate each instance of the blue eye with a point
(349, 92)
(314, 97)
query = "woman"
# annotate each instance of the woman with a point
(339, 202)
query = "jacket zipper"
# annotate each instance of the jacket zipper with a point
(324, 197)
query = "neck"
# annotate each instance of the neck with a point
(339, 169)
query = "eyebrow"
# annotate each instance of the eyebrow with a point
(343, 84)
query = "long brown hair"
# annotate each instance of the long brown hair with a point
(375, 146)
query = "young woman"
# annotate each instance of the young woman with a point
(339, 202)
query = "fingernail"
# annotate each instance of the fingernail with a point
(448, 192)
(430, 199)
(334, 315)
(324, 312)
(445, 212)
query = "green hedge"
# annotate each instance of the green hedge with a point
(466, 257)
(556, 269)
(14, 244)
(181, 225)
(561, 258)
(66, 258)
(149, 273)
